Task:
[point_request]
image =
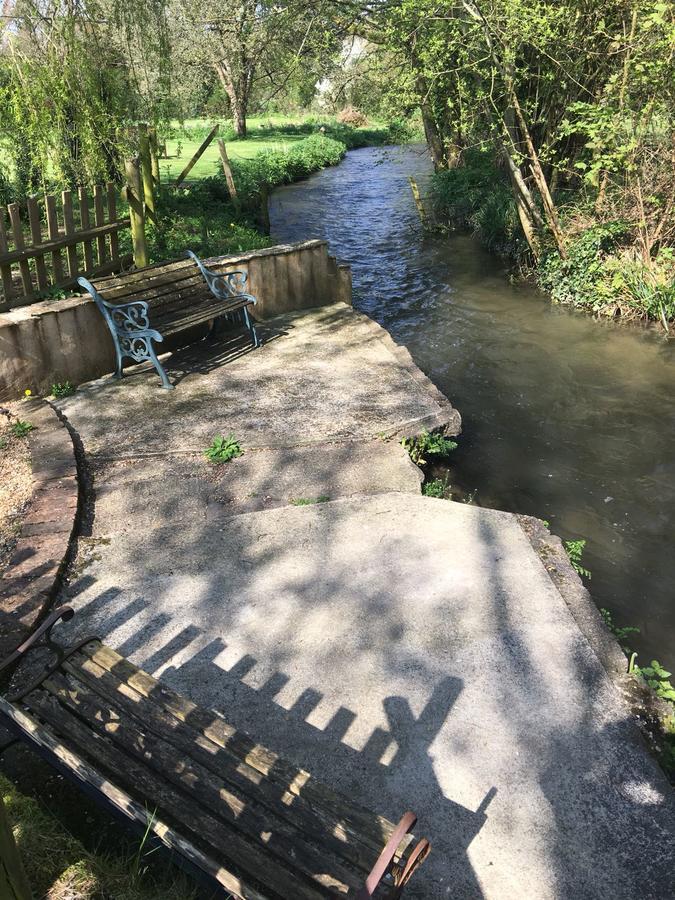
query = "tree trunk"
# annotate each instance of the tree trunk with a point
(237, 91)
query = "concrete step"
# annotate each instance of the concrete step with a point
(168, 490)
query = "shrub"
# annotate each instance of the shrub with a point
(477, 196)
(351, 116)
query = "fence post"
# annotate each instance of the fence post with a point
(146, 172)
(13, 882)
(154, 151)
(136, 212)
(227, 169)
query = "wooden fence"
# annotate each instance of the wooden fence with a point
(44, 249)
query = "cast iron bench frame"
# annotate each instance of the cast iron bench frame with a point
(166, 299)
(255, 825)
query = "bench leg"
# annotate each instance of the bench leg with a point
(166, 384)
(251, 327)
(118, 357)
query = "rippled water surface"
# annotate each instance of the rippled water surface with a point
(563, 417)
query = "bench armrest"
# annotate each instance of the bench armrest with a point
(125, 319)
(224, 285)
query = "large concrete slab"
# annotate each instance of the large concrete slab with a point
(323, 375)
(413, 653)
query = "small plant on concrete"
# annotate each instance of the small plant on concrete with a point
(62, 389)
(223, 449)
(21, 428)
(658, 679)
(437, 487)
(619, 633)
(309, 501)
(426, 444)
(575, 551)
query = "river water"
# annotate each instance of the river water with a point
(564, 417)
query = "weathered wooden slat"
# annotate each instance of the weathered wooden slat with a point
(84, 222)
(46, 742)
(99, 218)
(17, 233)
(69, 227)
(172, 804)
(36, 236)
(61, 242)
(325, 830)
(203, 789)
(153, 288)
(54, 239)
(111, 192)
(181, 323)
(5, 269)
(297, 781)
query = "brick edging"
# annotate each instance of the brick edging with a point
(30, 582)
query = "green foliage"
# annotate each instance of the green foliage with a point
(62, 389)
(658, 680)
(575, 551)
(223, 449)
(601, 276)
(437, 487)
(428, 444)
(200, 215)
(310, 501)
(476, 196)
(21, 428)
(619, 633)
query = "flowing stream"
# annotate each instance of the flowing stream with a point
(564, 417)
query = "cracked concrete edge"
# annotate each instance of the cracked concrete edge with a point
(646, 710)
(447, 418)
(578, 600)
(33, 577)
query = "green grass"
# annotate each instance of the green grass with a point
(59, 867)
(264, 133)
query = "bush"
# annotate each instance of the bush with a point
(351, 116)
(477, 196)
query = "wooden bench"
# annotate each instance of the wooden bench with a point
(256, 825)
(148, 304)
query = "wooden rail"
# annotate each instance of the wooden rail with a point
(82, 238)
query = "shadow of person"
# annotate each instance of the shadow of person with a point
(393, 771)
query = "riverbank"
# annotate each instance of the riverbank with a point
(604, 272)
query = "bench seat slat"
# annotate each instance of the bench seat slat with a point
(46, 742)
(205, 312)
(356, 818)
(238, 810)
(253, 865)
(328, 829)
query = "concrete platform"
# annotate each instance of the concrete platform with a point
(411, 652)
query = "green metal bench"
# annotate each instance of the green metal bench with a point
(256, 826)
(149, 304)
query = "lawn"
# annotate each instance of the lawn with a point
(263, 134)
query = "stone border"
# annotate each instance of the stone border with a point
(32, 578)
(549, 548)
